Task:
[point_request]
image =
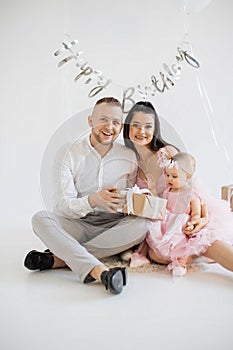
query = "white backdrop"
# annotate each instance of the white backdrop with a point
(128, 41)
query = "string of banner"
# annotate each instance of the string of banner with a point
(98, 82)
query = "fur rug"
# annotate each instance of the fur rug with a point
(115, 260)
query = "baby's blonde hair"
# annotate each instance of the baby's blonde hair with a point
(186, 162)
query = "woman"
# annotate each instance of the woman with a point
(142, 134)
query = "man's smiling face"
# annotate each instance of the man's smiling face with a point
(106, 123)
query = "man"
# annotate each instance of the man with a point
(87, 224)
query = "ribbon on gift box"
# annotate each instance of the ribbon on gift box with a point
(129, 197)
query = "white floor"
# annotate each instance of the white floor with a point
(53, 310)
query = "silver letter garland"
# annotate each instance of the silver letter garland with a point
(164, 81)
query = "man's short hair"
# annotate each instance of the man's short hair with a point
(110, 100)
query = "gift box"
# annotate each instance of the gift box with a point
(145, 205)
(227, 194)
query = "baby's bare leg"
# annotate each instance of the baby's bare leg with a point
(155, 258)
(184, 261)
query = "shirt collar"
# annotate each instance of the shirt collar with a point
(94, 150)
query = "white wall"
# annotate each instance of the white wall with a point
(128, 41)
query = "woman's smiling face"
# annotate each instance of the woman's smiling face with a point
(141, 129)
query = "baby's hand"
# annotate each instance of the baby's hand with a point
(197, 223)
(188, 229)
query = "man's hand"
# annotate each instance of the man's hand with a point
(108, 198)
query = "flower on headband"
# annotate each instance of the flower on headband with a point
(162, 157)
(172, 164)
(164, 161)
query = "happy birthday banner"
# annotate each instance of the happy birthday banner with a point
(158, 83)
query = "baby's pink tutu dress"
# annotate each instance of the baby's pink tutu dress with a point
(167, 238)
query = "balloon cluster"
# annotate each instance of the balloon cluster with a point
(164, 81)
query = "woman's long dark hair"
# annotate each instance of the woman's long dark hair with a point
(145, 107)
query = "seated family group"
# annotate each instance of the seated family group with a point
(88, 223)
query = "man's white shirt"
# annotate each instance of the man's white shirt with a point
(83, 171)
